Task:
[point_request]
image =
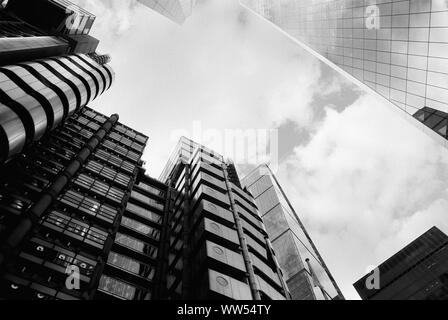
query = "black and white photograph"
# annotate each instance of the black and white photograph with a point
(226, 158)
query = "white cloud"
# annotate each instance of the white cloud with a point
(366, 184)
(224, 67)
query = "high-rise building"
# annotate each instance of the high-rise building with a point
(175, 10)
(218, 245)
(66, 208)
(417, 272)
(78, 201)
(305, 272)
(44, 28)
(37, 96)
(48, 69)
(396, 48)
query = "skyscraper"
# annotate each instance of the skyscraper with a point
(52, 75)
(305, 272)
(79, 219)
(417, 272)
(79, 201)
(398, 49)
(37, 96)
(44, 28)
(175, 10)
(218, 243)
(62, 204)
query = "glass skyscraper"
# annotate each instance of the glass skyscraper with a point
(398, 49)
(305, 272)
(175, 10)
(419, 271)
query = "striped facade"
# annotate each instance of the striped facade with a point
(37, 96)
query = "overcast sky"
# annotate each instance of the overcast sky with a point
(364, 180)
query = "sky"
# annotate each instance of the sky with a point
(364, 180)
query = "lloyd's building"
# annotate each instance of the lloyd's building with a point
(48, 70)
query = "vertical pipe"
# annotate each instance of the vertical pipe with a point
(48, 196)
(242, 238)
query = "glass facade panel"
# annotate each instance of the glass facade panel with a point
(304, 270)
(410, 37)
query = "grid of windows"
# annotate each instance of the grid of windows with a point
(88, 205)
(121, 150)
(130, 133)
(147, 200)
(58, 221)
(117, 287)
(151, 189)
(297, 256)
(140, 228)
(108, 173)
(126, 141)
(143, 212)
(397, 48)
(130, 265)
(115, 161)
(435, 119)
(99, 187)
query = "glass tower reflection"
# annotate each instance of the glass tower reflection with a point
(305, 272)
(399, 49)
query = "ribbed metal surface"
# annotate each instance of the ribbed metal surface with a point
(37, 96)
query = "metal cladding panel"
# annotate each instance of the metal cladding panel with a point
(226, 256)
(221, 231)
(37, 96)
(214, 210)
(270, 291)
(228, 286)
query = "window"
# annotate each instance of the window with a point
(130, 265)
(146, 213)
(140, 227)
(136, 245)
(117, 287)
(147, 200)
(151, 189)
(108, 173)
(121, 150)
(115, 161)
(74, 228)
(100, 188)
(88, 205)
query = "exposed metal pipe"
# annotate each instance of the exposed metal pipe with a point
(49, 195)
(247, 260)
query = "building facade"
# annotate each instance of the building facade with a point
(175, 10)
(44, 28)
(417, 272)
(79, 202)
(37, 96)
(305, 272)
(62, 204)
(218, 245)
(395, 48)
